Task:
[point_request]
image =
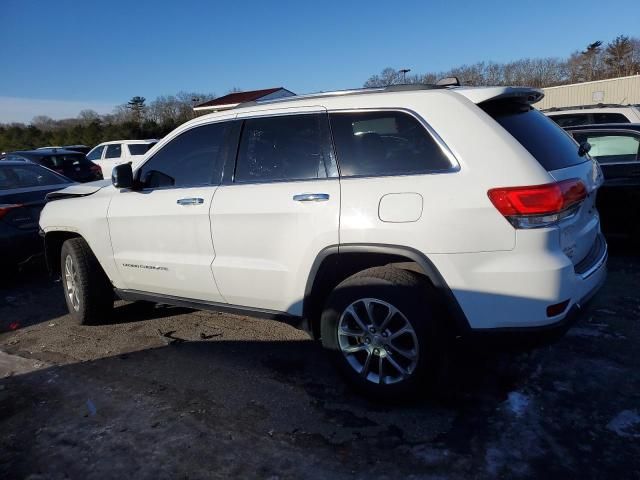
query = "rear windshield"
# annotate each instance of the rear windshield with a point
(547, 142)
(22, 176)
(59, 161)
(140, 148)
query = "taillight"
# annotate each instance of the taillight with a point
(7, 207)
(540, 205)
(96, 170)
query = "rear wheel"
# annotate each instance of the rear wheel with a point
(87, 289)
(380, 328)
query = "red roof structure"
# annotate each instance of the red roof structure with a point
(234, 99)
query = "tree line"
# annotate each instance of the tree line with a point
(138, 119)
(598, 61)
(133, 120)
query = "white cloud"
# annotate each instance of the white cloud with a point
(15, 109)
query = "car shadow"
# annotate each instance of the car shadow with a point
(127, 312)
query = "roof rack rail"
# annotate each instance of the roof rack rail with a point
(586, 107)
(356, 91)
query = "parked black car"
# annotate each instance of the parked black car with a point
(23, 187)
(73, 165)
(616, 147)
(76, 148)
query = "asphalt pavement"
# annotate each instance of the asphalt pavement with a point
(166, 392)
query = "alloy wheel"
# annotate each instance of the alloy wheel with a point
(71, 282)
(378, 341)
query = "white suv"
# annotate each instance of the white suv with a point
(593, 114)
(383, 222)
(109, 154)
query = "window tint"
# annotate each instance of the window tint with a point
(64, 161)
(139, 148)
(384, 143)
(22, 176)
(609, 118)
(588, 118)
(571, 120)
(193, 158)
(295, 147)
(547, 142)
(96, 153)
(113, 151)
(607, 148)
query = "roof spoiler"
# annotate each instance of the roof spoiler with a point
(488, 94)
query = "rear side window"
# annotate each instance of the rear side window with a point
(611, 148)
(292, 147)
(96, 153)
(609, 118)
(575, 119)
(547, 142)
(113, 151)
(571, 120)
(139, 148)
(384, 143)
(194, 158)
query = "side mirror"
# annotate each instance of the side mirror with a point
(122, 176)
(584, 148)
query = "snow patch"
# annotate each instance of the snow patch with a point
(626, 424)
(517, 403)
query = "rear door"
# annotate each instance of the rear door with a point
(22, 195)
(161, 234)
(557, 152)
(276, 210)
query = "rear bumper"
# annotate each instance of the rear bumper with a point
(504, 292)
(522, 338)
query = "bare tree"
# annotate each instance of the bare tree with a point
(620, 57)
(87, 116)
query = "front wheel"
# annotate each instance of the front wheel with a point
(380, 328)
(87, 289)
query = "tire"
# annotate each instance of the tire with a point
(410, 361)
(88, 292)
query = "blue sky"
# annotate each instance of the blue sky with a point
(57, 57)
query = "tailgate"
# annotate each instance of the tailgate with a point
(579, 233)
(557, 152)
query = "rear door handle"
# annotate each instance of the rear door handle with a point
(311, 197)
(190, 201)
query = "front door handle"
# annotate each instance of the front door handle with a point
(311, 197)
(190, 201)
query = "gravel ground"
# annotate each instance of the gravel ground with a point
(165, 392)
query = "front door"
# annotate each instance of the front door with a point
(161, 232)
(278, 210)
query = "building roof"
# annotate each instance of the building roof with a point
(236, 98)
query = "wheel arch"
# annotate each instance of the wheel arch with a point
(336, 263)
(53, 241)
